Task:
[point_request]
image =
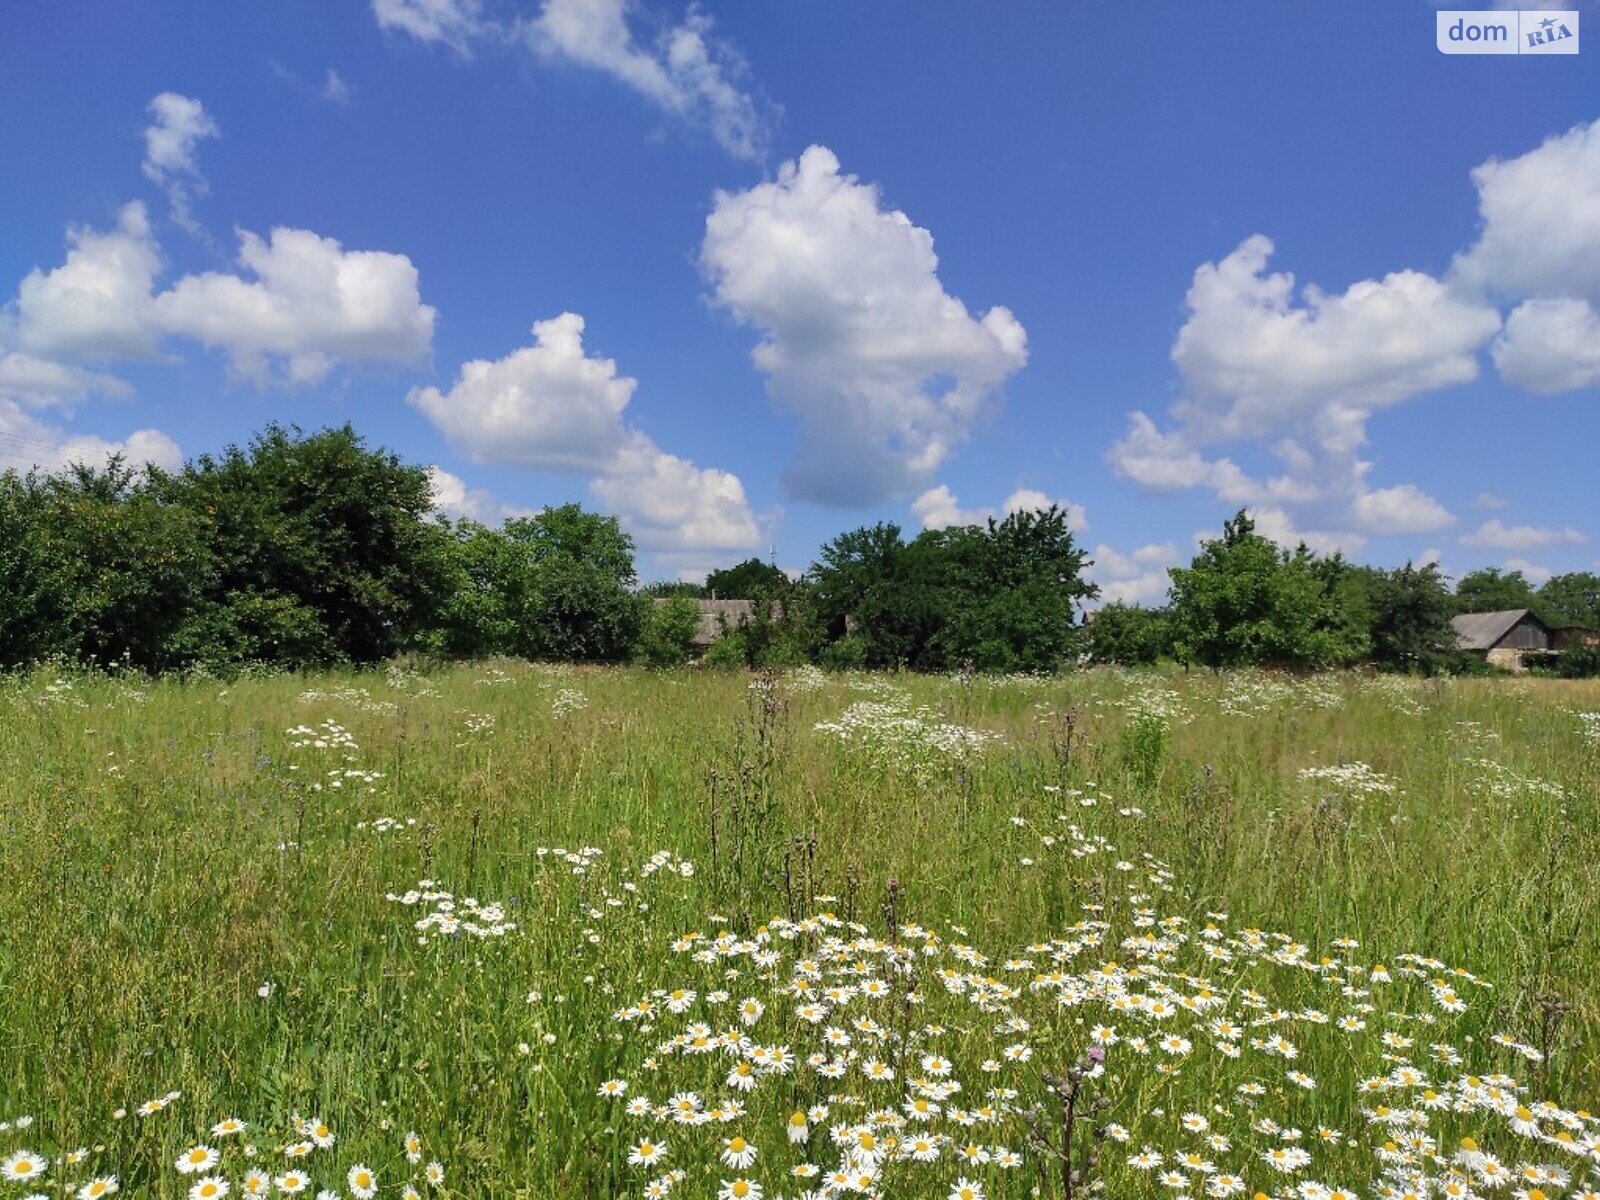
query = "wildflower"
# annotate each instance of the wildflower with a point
(22, 1166)
(292, 1182)
(799, 1131)
(413, 1147)
(647, 1154)
(966, 1189)
(104, 1185)
(737, 1153)
(212, 1187)
(434, 1174)
(363, 1183)
(257, 1183)
(739, 1189)
(196, 1159)
(227, 1127)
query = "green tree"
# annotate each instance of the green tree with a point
(666, 633)
(1570, 599)
(322, 532)
(117, 571)
(1493, 590)
(1129, 635)
(1410, 620)
(745, 580)
(569, 580)
(1242, 601)
(999, 597)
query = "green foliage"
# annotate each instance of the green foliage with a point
(1410, 609)
(1129, 635)
(1580, 662)
(1242, 601)
(666, 633)
(745, 581)
(107, 573)
(730, 652)
(1002, 597)
(1571, 599)
(314, 527)
(1493, 590)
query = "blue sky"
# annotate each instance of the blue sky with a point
(749, 275)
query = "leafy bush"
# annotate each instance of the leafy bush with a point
(666, 633)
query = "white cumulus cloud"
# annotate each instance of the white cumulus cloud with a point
(548, 405)
(1136, 578)
(1550, 346)
(553, 406)
(454, 497)
(302, 303)
(1520, 537)
(178, 123)
(1299, 372)
(938, 508)
(885, 370)
(27, 443)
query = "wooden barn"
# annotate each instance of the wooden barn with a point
(1504, 638)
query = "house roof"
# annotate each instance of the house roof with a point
(1480, 631)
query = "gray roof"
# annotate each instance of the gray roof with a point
(1480, 631)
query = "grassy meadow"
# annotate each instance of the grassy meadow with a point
(770, 936)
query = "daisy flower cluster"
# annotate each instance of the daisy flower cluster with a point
(889, 735)
(820, 1057)
(567, 701)
(233, 1157)
(444, 915)
(1352, 778)
(324, 735)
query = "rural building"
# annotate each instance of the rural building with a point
(715, 615)
(1504, 637)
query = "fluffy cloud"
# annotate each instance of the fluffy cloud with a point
(885, 370)
(97, 304)
(1136, 578)
(309, 305)
(669, 504)
(1300, 374)
(547, 405)
(40, 383)
(1541, 243)
(552, 406)
(27, 443)
(1541, 221)
(1254, 360)
(683, 72)
(312, 303)
(454, 23)
(1278, 526)
(452, 497)
(177, 125)
(1490, 500)
(938, 508)
(1401, 509)
(1519, 537)
(1550, 346)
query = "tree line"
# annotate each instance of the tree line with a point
(301, 550)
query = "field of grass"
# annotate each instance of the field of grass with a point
(939, 927)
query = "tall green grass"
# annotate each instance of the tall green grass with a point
(165, 857)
